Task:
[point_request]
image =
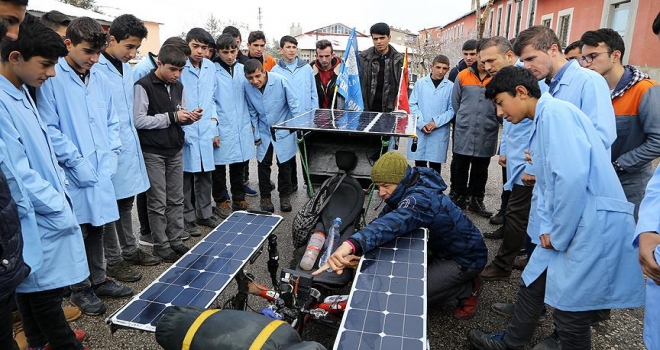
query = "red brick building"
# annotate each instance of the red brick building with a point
(569, 19)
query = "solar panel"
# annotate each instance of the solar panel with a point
(201, 274)
(387, 124)
(387, 305)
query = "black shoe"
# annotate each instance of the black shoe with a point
(483, 341)
(122, 271)
(462, 202)
(550, 343)
(503, 309)
(497, 234)
(285, 204)
(267, 205)
(140, 257)
(168, 255)
(478, 207)
(87, 302)
(211, 222)
(111, 289)
(179, 249)
(497, 219)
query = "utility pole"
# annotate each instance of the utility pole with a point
(260, 18)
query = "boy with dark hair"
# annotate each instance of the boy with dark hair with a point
(56, 21)
(12, 13)
(54, 247)
(573, 50)
(469, 51)
(256, 47)
(584, 261)
(198, 76)
(79, 96)
(121, 247)
(637, 141)
(150, 62)
(430, 101)
(236, 34)
(159, 111)
(271, 101)
(235, 146)
(475, 138)
(380, 71)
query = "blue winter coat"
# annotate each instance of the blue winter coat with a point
(234, 123)
(429, 103)
(417, 202)
(582, 206)
(199, 86)
(649, 221)
(302, 80)
(83, 126)
(131, 177)
(275, 105)
(54, 245)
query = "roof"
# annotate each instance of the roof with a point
(110, 9)
(44, 6)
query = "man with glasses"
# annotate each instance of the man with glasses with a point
(636, 101)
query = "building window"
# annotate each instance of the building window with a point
(532, 13)
(546, 20)
(519, 6)
(490, 23)
(499, 21)
(564, 26)
(619, 21)
(508, 20)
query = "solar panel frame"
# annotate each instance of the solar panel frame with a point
(397, 124)
(201, 274)
(387, 304)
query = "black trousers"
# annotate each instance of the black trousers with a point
(6, 323)
(283, 175)
(504, 197)
(435, 166)
(143, 217)
(44, 321)
(573, 328)
(236, 173)
(515, 226)
(468, 167)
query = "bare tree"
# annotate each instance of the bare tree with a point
(86, 4)
(215, 26)
(482, 16)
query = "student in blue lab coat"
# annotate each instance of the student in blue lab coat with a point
(121, 248)
(271, 100)
(584, 261)
(54, 247)
(431, 103)
(83, 126)
(198, 79)
(235, 146)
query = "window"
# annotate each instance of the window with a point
(499, 20)
(564, 26)
(620, 14)
(519, 6)
(508, 20)
(532, 13)
(546, 20)
(490, 23)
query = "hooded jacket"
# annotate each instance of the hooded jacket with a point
(369, 75)
(326, 81)
(417, 202)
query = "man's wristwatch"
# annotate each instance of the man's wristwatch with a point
(617, 167)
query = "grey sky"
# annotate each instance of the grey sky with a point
(277, 16)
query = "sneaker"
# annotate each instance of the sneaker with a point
(249, 192)
(140, 257)
(71, 313)
(180, 249)
(87, 301)
(478, 207)
(122, 271)
(467, 307)
(240, 205)
(212, 221)
(267, 205)
(285, 204)
(497, 219)
(111, 289)
(493, 272)
(520, 262)
(167, 255)
(497, 234)
(222, 209)
(192, 229)
(146, 240)
(483, 341)
(185, 235)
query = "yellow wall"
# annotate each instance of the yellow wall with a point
(152, 42)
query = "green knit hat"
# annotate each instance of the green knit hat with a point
(389, 168)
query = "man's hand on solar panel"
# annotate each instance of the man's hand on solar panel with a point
(339, 260)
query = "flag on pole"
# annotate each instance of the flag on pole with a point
(348, 81)
(402, 100)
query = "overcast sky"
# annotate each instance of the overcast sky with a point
(277, 16)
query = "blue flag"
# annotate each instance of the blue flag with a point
(348, 81)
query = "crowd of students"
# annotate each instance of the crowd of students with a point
(83, 134)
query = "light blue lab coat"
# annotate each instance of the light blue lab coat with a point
(82, 123)
(582, 206)
(131, 177)
(234, 123)
(649, 221)
(275, 105)
(303, 82)
(144, 67)
(54, 246)
(514, 143)
(199, 87)
(429, 103)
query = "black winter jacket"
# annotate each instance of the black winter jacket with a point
(12, 267)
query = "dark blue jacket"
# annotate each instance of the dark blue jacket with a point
(418, 201)
(453, 73)
(12, 268)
